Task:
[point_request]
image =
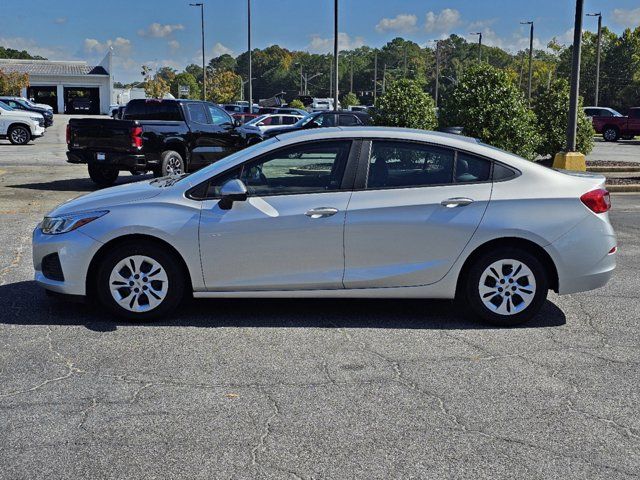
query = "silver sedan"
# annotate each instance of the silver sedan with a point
(341, 212)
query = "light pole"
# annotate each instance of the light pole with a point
(307, 79)
(435, 97)
(335, 54)
(479, 44)
(598, 47)
(249, 53)
(530, 58)
(375, 76)
(575, 78)
(204, 68)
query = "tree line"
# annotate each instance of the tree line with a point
(366, 72)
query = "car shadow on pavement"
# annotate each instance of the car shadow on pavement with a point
(27, 304)
(77, 184)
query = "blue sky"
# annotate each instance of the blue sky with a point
(167, 32)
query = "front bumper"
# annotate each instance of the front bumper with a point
(75, 251)
(37, 131)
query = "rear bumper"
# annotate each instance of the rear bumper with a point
(582, 255)
(122, 161)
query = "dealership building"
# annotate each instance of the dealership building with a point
(69, 87)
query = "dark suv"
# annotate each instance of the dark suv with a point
(19, 104)
(323, 119)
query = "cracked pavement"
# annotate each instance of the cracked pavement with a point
(307, 389)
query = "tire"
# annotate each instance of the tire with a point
(611, 134)
(165, 283)
(103, 176)
(500, 306)
(171, 163)
(19, 135)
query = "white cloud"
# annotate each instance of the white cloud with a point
(325, 45)
(443, 21)
(60, 20)
(174, 45)
(220, 49)
(30, 45)
(121, 46)
(627, 18)
(158, 30)
(400, 23)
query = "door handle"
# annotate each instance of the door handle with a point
(456, 202)
(321, 212)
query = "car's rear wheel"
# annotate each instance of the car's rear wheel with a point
(506, 287)
(103, 176)
(171, 163)
(610, 134)
(19, 135)
(140, 282)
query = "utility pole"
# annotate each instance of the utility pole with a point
(530, 58)
(331, 80)
(204, 67)
(335, 53)
(301, 90)
(405, 62)
(437, 71)
(384, 79)
(575, 78)
(599, 15)
(479, 44)
(375, 76)
(351, 77)
(249, 52)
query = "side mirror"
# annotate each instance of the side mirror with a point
(237, 123)
(232, 191)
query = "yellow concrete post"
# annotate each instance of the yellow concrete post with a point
(570, 161)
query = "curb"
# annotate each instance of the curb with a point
(623, 188)
(616, 169)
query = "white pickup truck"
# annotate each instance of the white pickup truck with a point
(20, 127)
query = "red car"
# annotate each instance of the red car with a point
(614, 127)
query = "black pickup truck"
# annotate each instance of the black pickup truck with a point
(162, 136)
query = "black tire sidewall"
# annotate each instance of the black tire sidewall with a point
(616, 136)
(103, 176)
(471, 294)
(165, 156)
(19, 127)
(171, 266)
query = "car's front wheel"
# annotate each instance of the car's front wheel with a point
(611, 134)
(506, 287)
(140, 282)
(19, 135)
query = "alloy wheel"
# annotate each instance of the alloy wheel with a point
(174, 166)
(19, 135)
(610, 134)
(138, 283)
(507, 287)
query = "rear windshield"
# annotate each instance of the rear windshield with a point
(153, 110)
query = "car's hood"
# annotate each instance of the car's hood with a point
(110, 197)
(24, 114)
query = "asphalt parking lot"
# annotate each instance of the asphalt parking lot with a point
(304, 389)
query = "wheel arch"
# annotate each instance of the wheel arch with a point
(131, 238)
(517, 242)
(177, 146)
(19, 124)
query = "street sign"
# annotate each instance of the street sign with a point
(183, 90)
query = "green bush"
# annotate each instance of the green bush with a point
(296, 103)
(489, 106)
(349, 100)
(405, 104)
(551, 107)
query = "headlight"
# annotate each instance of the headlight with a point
(67, 223)
(36, 119)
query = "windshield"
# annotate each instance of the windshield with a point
(4, 106)
(303, 121)
(256, 120)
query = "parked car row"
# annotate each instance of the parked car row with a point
(21, 121)
(612, 124)
(170, 137)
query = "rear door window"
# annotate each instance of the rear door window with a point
(349, 121)
(197, 113)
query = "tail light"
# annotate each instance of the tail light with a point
(598, 201)
(68, 135)
(136, 137)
